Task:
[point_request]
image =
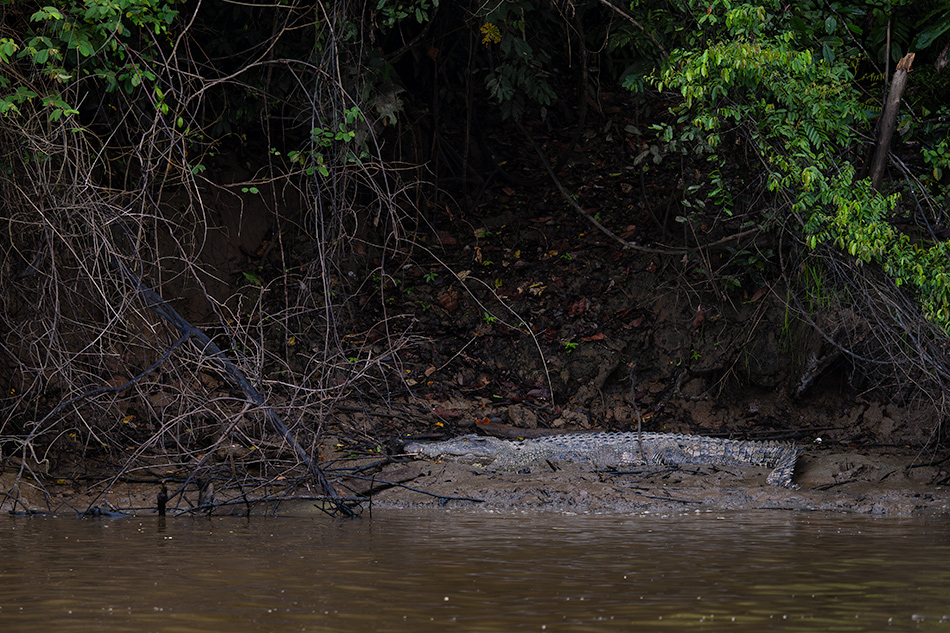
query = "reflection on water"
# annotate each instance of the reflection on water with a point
(444, 571)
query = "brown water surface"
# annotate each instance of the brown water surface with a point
(445, 571)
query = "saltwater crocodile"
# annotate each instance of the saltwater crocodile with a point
(613, 451)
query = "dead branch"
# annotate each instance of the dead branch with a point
(889, 119)
(161, 307)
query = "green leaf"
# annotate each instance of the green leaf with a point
(937, 28)
(7, 49)
(46, 13)
(827, 53)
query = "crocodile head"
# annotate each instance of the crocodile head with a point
(467, 449)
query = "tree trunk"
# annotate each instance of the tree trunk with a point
(889, 119)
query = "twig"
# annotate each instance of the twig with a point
(161, 307)
(629, 19)
(442, 498)
(101, 390)
(603, 229)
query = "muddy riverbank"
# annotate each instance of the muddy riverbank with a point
(877, 481)
(886, 481)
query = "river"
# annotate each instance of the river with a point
(481, 572)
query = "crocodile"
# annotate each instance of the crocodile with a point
(604, 451)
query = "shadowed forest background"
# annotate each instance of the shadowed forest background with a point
(243, 238)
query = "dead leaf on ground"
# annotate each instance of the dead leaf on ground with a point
(699, 317)
(540, 393)
(579, 307)
(758, 294)
(446, 414)
(449, 299)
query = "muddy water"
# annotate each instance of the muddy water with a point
(444, 571)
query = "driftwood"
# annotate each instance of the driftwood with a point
(889, 119)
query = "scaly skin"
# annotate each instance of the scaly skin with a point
(613, 450)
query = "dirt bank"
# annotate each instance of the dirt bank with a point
(881, 481)
(887, 481)
(845, 467)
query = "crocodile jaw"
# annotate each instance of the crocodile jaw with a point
(468, 449)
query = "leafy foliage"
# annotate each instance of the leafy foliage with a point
(517, 67)
(800, 111)
(390, 13)
(71, 41)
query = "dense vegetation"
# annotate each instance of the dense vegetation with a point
(134, 130)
